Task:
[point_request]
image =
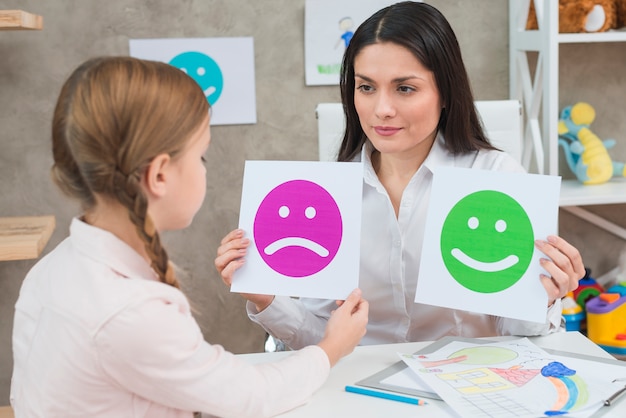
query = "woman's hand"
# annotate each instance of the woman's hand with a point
(564, 266)
(230, 256)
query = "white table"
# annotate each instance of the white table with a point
(331, 400)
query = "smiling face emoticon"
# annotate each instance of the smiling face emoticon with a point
(487, 241)
(298, 228)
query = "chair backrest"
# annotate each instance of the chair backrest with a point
(502, 120)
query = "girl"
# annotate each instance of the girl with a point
(101, 328)
(408, 107)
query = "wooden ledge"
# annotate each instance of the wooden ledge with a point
(6, 412)
(23, 238)
(20, 20)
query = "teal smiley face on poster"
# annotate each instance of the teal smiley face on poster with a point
(487, 241)
(204, 70)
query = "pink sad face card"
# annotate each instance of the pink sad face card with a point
(304, 228)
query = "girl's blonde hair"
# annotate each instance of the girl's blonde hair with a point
(112, 117)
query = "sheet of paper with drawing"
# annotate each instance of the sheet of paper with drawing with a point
(479, 253)
(328, 28)
(516, 378)
(303, 219)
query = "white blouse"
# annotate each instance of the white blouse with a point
(97, 335)
(389, 266)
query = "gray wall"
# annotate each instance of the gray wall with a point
(33, 66)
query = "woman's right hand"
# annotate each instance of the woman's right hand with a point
(346, 326)
(230, 256)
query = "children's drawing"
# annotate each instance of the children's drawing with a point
(346, 27)
(304, 227)
(513, 378)
(570, 388)
(482, 226)
(328, 29)
(298, 228)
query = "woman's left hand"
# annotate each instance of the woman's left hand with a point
(564, 266)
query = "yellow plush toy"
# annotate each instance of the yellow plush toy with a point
(585, 15)
(586, 154)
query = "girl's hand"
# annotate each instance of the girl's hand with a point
(230, 256)
(346, 326)
(564, 266)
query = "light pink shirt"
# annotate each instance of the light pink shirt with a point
(389, 264)
(96, 335)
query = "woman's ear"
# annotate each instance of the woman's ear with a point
(155, 176)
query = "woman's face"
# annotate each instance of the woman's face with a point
(396, 98)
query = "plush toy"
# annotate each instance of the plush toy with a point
(585, 15)
(587, 156)
(621, 13)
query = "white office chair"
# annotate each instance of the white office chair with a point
(502, 120)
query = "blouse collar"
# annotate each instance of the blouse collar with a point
(438, 155)
(104, 247)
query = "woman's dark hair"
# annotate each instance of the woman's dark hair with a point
(425, 32)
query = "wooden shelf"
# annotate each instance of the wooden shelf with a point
(6, 412)
(20, 20)
(24, 237)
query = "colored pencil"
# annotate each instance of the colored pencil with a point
(385, 395)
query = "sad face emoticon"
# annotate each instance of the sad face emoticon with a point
(487, 241)
(204, 70)
(298, 228)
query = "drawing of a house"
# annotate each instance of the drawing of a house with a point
(486, 379)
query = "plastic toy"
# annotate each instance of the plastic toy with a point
(587, 288)
(606, 322)
(573, 313)
(619, 288)
(586, 154)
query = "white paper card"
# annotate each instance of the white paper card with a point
(479, 253)
(304, 222)
(329, 26)
(223, 67)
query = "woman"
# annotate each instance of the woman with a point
(409, 107)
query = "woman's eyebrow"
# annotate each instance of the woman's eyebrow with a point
(395, 80)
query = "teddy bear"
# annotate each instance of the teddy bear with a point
(577, 16)
(621, 13)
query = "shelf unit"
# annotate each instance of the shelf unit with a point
(22, 237)
(537, 90)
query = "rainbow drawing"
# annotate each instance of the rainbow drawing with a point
(571, 390)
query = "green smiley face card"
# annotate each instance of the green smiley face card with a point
(479, 253)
